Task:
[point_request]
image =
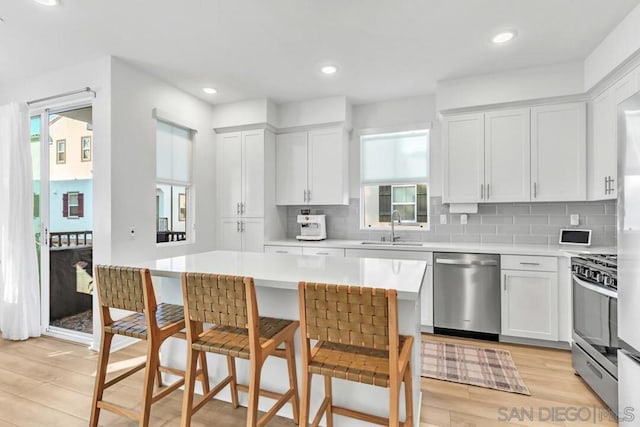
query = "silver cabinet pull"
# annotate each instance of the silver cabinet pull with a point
(488, 192)
(529, 263)
(535, 190)
(466, 263)
(238, 208)
(282, 252)
(305, 195)
(481, 191)
(242, 208)
(505, 282)
(237, 226)
(611, 181)
(322, 253)
(242, 226)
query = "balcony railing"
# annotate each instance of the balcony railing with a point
(59, 239)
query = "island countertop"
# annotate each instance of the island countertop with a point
(285, 271)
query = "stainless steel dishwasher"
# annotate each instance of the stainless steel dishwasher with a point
(466, 294)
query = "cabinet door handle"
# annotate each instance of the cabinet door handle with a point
(305, 196)
(237, 226)
(322, 253)
(529, 263)
(242, 208)
(535, 190)
(606, 185)
(504, 281)
(488, 191)
(308, 195)
(242, 226)
(282, 252)
(237, 208)
(481, 191)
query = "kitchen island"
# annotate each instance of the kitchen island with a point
(276, 278)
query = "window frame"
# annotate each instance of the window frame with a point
(188, 192)
(82, 149)
(414, 204)
(63, 152)
(404, 225)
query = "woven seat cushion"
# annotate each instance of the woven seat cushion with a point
(353, 363)
(234, 342)
(135, 325)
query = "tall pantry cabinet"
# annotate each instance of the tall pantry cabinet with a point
(245, 187)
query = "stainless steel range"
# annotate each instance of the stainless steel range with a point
(595, 324)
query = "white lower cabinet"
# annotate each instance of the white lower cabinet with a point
(323, 251)
(530, 304)
(241, 234)
(293, 250)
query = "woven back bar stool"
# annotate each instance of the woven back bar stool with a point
(228, 303)
(356, 330)
(131, 289)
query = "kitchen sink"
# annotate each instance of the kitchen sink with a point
(392, 243)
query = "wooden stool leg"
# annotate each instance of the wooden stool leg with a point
(205, 373)
(254, 391)
(394, 402)
(306, 397)
(158, 376)
(153, 360)
(408, 395)
(329, 396)
(101, 374)
(189, 385)
(231, 367)
(293, 379)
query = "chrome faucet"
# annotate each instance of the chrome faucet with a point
(394, 214)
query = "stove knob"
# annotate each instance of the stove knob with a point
(606, 280)
(596, 275)
(586, 272)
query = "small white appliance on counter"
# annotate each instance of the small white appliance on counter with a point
(312, 227)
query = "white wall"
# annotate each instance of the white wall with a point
(520, 85)
(396, 115)
(314, 111)
(133, 143)
(614, 50)
(243, 113)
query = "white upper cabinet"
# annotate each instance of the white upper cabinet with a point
(559, 152)
(603, 147)
(291, 168)
(507, 145)
(463, 158)
(240, 174)
(312, 168)
(328, 180)
(253, 182)
(487, 157)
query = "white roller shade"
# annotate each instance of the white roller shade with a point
(395, 158)
(173, 155)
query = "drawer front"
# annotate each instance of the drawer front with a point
(323, 251)
(529, 263)
(294, 250)
(390, 254)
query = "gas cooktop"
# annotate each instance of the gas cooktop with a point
(597, 269)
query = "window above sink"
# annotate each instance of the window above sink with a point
(395, 177)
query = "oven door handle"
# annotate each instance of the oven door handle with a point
(597, 289)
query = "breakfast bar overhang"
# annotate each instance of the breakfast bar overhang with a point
(276, 278)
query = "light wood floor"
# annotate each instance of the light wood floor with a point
(47, 382)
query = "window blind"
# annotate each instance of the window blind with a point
(395, 158)
(173, 153)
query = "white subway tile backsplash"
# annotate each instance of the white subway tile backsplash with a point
(520, 223)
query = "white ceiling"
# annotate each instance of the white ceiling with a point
(273, 48)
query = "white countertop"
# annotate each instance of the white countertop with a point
(497, 248)
(285, 271)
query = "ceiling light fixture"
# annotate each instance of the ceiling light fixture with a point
(503, 37)
(329, 69)
(209, 90)
(48, 2)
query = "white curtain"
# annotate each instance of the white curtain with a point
(19, 281)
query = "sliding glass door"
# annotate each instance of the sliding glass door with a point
(62, 149)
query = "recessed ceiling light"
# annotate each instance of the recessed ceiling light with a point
(48, 2)
(503, 37)
(209, 90)
(329, 69)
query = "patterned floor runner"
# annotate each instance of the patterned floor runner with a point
(484, 367)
